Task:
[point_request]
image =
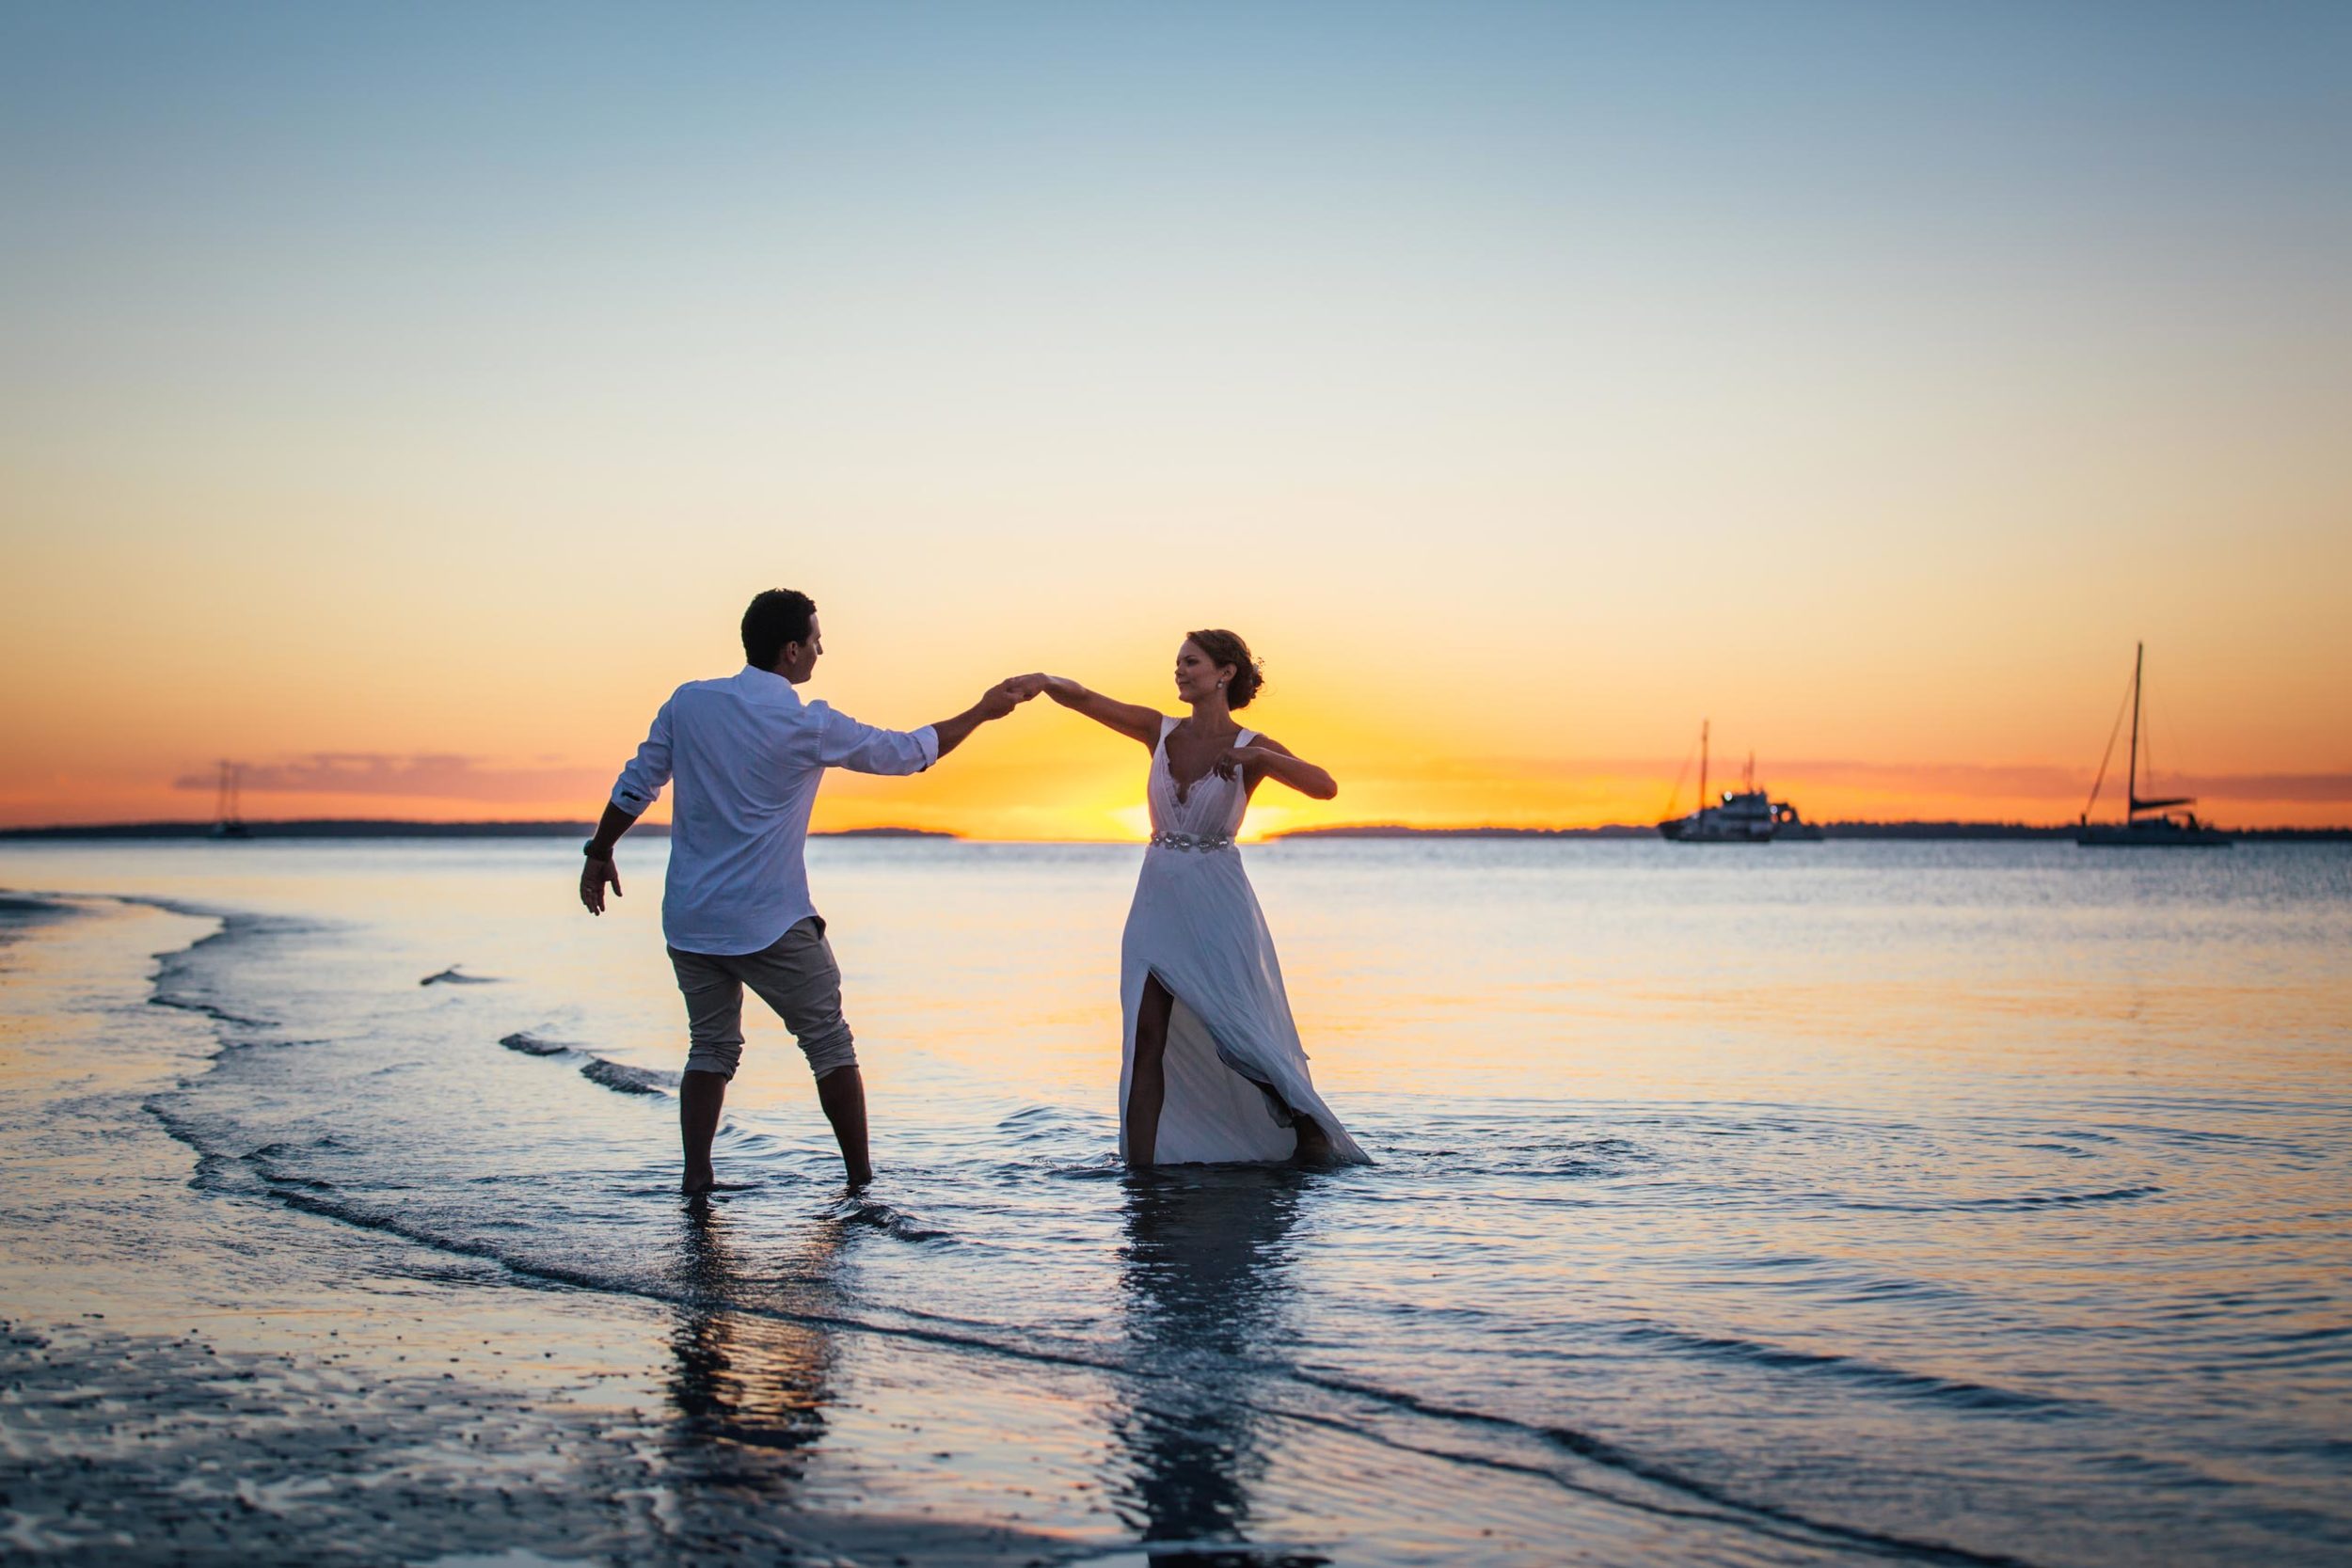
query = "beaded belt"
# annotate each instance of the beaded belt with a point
(1205, 842)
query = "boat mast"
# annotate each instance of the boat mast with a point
(1702, 764)
(227, 810)
(2131, 792)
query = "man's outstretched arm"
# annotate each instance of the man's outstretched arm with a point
(862, 749)
(995, 702)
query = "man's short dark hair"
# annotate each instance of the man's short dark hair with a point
(776, 617)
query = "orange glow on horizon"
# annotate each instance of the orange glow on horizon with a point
(1036, 791)
(411, 445)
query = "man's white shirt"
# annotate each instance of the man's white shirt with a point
(748, 755)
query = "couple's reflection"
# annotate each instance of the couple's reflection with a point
(1203, 1278)
(750, 1386)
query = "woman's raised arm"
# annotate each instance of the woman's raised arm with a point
(1137, 724)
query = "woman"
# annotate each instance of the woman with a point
(1212, 1069)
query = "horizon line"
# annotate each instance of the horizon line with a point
(559, 826)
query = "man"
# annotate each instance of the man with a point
(748, 755)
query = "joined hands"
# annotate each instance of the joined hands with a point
(1009, 693)
(1013, 691)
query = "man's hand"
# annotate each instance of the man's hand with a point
(1008, 694)
(593, 875)
(995, 702)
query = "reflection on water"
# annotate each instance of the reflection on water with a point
(1202, 1278)
(746, 1378)
(1947, 1200)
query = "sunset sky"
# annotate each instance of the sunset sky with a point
(401, 400)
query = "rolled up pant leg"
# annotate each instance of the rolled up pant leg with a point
(714, 1011)
(796, 975)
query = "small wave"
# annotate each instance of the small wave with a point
(213, 1011)
(1103, 1168)
(1569, 1161)
(182, 975)
(451, 977)
(1035, 1123)
(1500, 1152)
(889, 1221)
(18, 913)
(1611, 1457)
(213, 1170)
(2041, 1200)
(1954, 1393)
(627, 1079)
(620, 1077)
(268, 1163)
(2013, 1201)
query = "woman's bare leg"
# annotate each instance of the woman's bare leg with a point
(1314, 1144)
(1147, 1086)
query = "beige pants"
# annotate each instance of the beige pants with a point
(795, 974)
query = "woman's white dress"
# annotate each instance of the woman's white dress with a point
(1233, 1059)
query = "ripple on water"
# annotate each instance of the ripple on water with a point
(1957, 1393)
(1949, 1303)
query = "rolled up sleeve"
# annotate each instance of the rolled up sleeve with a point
(641, 780)
(843, 742)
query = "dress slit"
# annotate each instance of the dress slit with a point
(1233, 1061)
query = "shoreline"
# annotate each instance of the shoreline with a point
(364, 829)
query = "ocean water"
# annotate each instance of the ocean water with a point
(1956, 1203)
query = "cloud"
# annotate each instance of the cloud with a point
(2331, 787)
(2041, 782)
(421, 777)
(2015, 781)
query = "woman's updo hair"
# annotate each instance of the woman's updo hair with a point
(1225, 647)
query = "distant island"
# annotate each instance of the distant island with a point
(1398, 830)
(1829, 830)
(388, 828)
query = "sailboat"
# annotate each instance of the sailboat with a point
(228, 820)
(2146, 824)
(1744, 816)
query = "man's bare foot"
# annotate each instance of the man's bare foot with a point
(862, 1176)
(698, 1179)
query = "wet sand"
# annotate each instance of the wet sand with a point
(179, 1383)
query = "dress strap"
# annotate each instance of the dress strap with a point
(1168, 722)
(1244, 737)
